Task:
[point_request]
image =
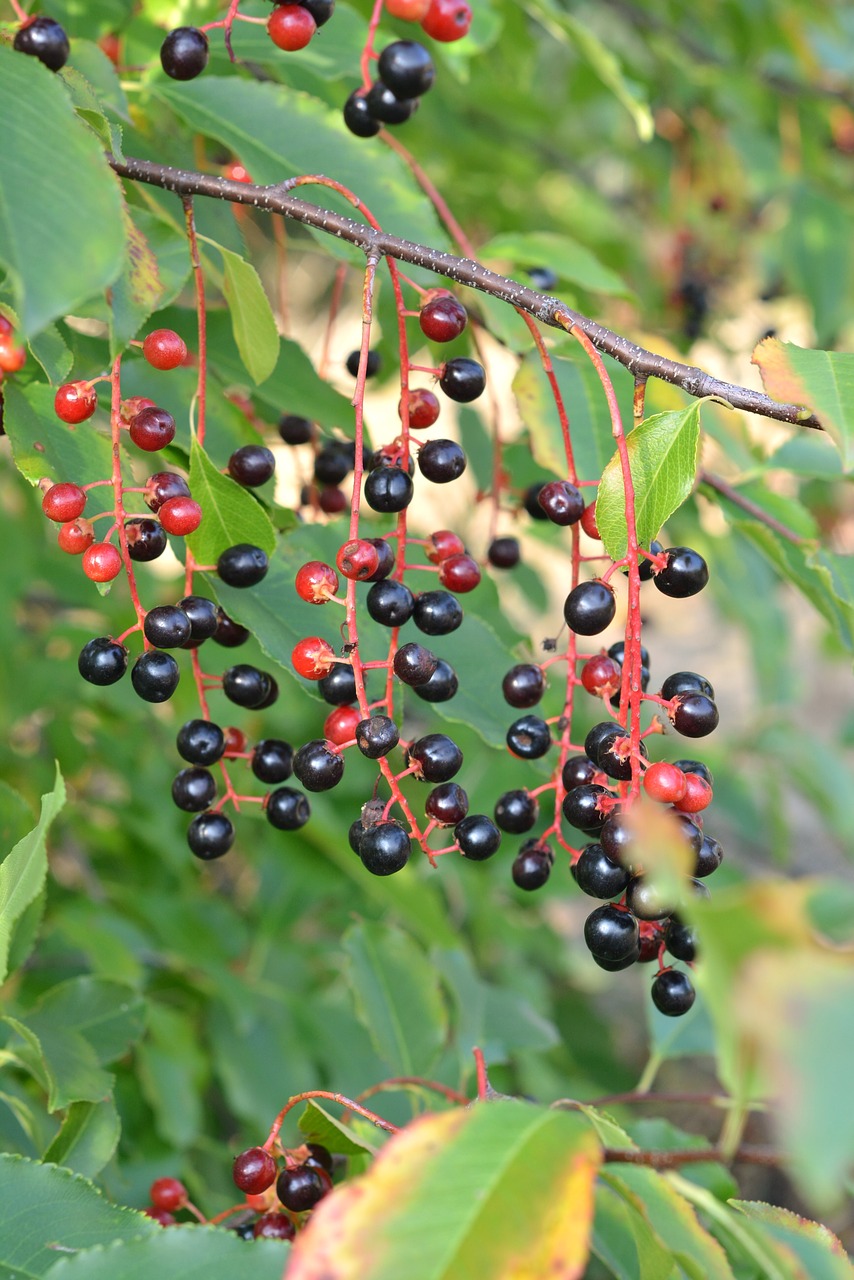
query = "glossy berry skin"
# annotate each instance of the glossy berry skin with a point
(210, 835)
(442, 685)
(617, 651)
(516, 812)
(601, 676)
(588, 521)
(146, 540)
(246, 686)
(684, 574)
(462, 379)
(524, 685)
(168, 1194)
(152, 429)
(167, 627)
(202, 613)
(200, 742)
(687, 830)
(459, 573)
(376, 736)
(358, 118)
(696, 766)
(338, 687)
(320, 10)
(385, 553)
(686, 682)
(441, 461)
(589, 608)
(444, 545)
(709, 857)
(63, 503)
(407, 69)
(43, 38)
(162, 486)
(373, 364)
(562, 502)
(180, 516)
(384, 105)
(436, 758)
(290, 27)
(447, 20)
(295, 430)
(184, 53)
(193, 790)
(229, 633)
(252, 465)
(390, 603)
(102, 661)
(532, 867)
(273, 1226)
(358, 560)
(355, 833)
(155, 676)
(529, 737)
(580, 807)
(607, 746)
(672, 993)
(75, 536)
(437, 613)
(312, 658)
(447, 804)
(681, 941)
(164, 349)
(388, 489)
(598, 875)
(243, 565)
(618, 838)
(478, 837)
(316, 582)
(408, 10)
(331, 465)
(74, 402)
(578, 771)
(272, 760)
(693, 715)
(697, 797)
(424, 409)
(384, 848)
(504, 553)
(413, 664)
(318, 765)
(102, 562)
(254, 1171)
(443, 317)
(646, 901)
(611, 933)
(287, 809)
(664, 782)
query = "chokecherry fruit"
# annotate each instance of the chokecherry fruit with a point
(384, 105)
(193, 790)
(373, 364)
(447, 20)
(254, 1171)
(388, 489)
(384, 848)
(357, 116)
(529, 737)
(523, 685)
(424, 408)
(43, 38)
(408, 10)
(167, 626)
(437, 613)
(693, 715)
(672, 993)
(441, 461)
(578, 771)
(504, 553)
(155, 676)
(210, 835)
(443, 544)
(646, 901)
(459, 573)
(686, 682)
(598, 875)
(684, 574)
(152, 429)
(340, 725)
(434, 758)
(272, 760)
(74, 402)
(102, 562)
(681, 941)
(532, 866)
(407, 69)
(339, 686)
(413, 664)
(102, 661)
(287, 809)
(180, 516)
(664, 782)
(478, 837)
(319, 765)
(295, 430)
(590, 607)
(516, 812)
(203, 616)
(709, 857)
(167, 1194)
(581, 807)
(75, 536)
(316, 582)
(63, 502)
(246, 686)
(162, 486)
(376, 736)
(462, 379)
(146, 539)
(562, 502)
(611, 933)
(164, 349)
(588, 521)
(229, 634)
(273, 1226)
(442, 317)
(320, 10)
(313, 658)
(358, 559)
(200, 742)
(442, 685)
(601, 675)
(390, 603)
(184, 53)
(243, 565)
(447, 804)
(291, 27)
(251, 465)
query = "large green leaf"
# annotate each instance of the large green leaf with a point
(44, 447)
(191, 1252)
(87, 1138)
(229, 513)
(156, 266)
(58, 250)
(23, 871)
(822, 380)
(111, 1016)
(663, 461)
(252, 318)
(63, 1062)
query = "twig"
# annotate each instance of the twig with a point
(752, 508)
(692, 1155)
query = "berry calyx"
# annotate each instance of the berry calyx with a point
(152, 429)
(102, 562)
(290, 27)
(164, 349)
(75, 402)
(168, 1194)
(254, 1171)
(313, 658)
(43, 38)
(447, 20)
(442, 317)
(184, 53)
(316, 582)
(180, 516)
(63, 502)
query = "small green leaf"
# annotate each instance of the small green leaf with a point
(251, 315)
(87, 1138)
(64, 1063)
(52, 353)
(663, 460)
(23, 872)
(230, 514)
(319, 1126)
(43, 447)
(821, 380)
(814, 1244)
(191, 1252)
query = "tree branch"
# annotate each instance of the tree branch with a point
(640, 362)
(691, 1155)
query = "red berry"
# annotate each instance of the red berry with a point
(662, 781)
(316, 582)
(442, 317)
(235, 740)
(698, 795)
(75, 402)
(152, 429)
(63, 502)
(332, 500)
(102, 562)
(180, 516)
(168, 1194)
(75, 537)
(313, 658)
(162, 486)
(133, 405)
(340, 725)
(447, 20)
(408, 10)
(164, 349)
(459, 573)
(254, 1171)
(424, 408)
(601, 675)
(443, 545)
(358, 560)
(274, 1226)
(12, 358)
(290, 27)
(588, 521)
(160, 1215)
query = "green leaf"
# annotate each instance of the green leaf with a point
(191, 1252)
(46, 1209)
(87, 1138)
(23, 872)
(42, 447)
(64, 1063)
(625, 1242)
(110, 1015)
(54, 260)
(822, 380)
(319, 1126)
(50, 349)
(817, 1247)
(442, 1201)
(397, 996)
(230, 514)
(251, 315)
(173, 1070)
(663, 460)
(155, 268)
(566, 257)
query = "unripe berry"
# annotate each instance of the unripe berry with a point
(290, 27)
(313, 658)
(316, 582)
(102, 562)
(63, 502)
(164, 349)
(180, 516)
(75, 402)
(447, 20)
(75, 537)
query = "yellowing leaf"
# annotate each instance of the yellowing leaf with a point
(822, 380)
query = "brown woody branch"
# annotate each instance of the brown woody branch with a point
(663, 1160)
(640, 362)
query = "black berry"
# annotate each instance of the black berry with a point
(184, 53)
(462, 379)
(246, 686)
(200, 742)
(254, 1171)
(320, 10)
(301, 1188)
(437, 613)
(532, 867)
(696, 766)
(709, 858)
(338, 686)
(287, 809)
(562, 502)
(203, 616)
(580, 807)
(681, 941)
(478, 837)
(384, 848)
(194, 790)
(332, 465)
(390, 603)
(155, 675)
(597, 875)
(590, 607)
(686, 682)
(146, 539)
(529, 737)
(504, 553)
(531, 500)
(357, 116)
(436, 756)
(376, 736)
(229, 634)
(413, 664)
(578, 771)
(372, 365)
(407, 68)
(384, 105)
(43, 38)
(210, 835)
(447, 804)
(251, 465)
(317, 766)
(167, 627)
(684, 574)
(243, 565)
(523, 686)
(611, 933)
(442, 685)
(295, 430)
(646, 901)
(672, 993)
(441, 461)
(272, 760)
(388, 489)
(102, 661)
(516, 812)
(694, 715)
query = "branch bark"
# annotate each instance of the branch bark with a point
(639, 361)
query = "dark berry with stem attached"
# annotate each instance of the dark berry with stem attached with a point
(203, 617)
(442, 317)
(43, 38)
(229, 634)
(590, 607)
(709, 858)
(162, 486)
(200, 742)
(331, 465)
(167, 627)
(435, 757)
(357, 116)
(681, 941)
(645, 566)
(385, 105)
(243, 565)
(442, 685)
(462, 379)
(320, 10)
(413, 664)
(447, 804)
(338, 686)
(155, 676)
(254, 1171)
(672, 993)
(184, 53)
(562, 502)
(516, 811)
(437, 613)
(611, 933)
(686, 682)
(407, 68)
(272, 760)
(287, 809)
(529, 737)
(611, 758)
(532, 866)
(102, 661)
(210, 835)
(252, 465)
(684, 574)
(581, 807)
(617, 838)
(384, 848)
(601, 737)
(504, 553)
(319, 1157)
(598, 875)
(194, 790)
(246, 686)
(318, 765)
(273, 1226)
(390, 603)
(694, 715)
(441, 461)
(372, 365)
(388, 489)
(478, 837)
(577, 772)
(146, 539)
(524, 685)
(152, 429)
(295, 430)
(376, 736)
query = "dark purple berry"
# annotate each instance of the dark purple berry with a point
(384, 105)
(295, 430)
(287, 809)
(194, 790)
(146, 539)
(413, 664)
(203, 616)
(246, 686)
(407, 68)
(155, 676)
(317, 766)
(437, 613)
(477, 836)
(184, 53)
(436, 756)
(447, 804)
(441, 461)
(442, 685)
(504, 553)
(694, 715)
(384, 848)
(529, 737)
(686, 682)
(210, 835)
(272, 760)
(578, 771)
(200, 742)
(376, 736)
(102, 661)
(251, 465)
(597, 875)
(580, 807)
(302, 1188)
(611, 933)
(243, 565)
(590, 607)
(672, 993)
(388, 489)
(338, 686)
(167, 627)
(684, 574)
(532, 866)
(357, 116)
(523, 686)
(390, 603)
(43, 38)
(562, 502)
(516, 812)
(462, 379)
